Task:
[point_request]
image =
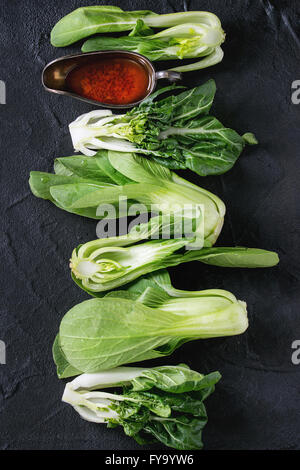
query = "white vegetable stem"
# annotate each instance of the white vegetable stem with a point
(173, 19)
(94, 409)
(95, 406)
(114, 377)
(99, 130)
(212, 59)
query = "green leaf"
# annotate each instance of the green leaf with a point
(80, 165)
(64, 369)
(105, 166)
(40, 183)
(99, 334)
(172, 379)
(151, 290)
(233, 257)
(183, 107)
(164, 403)
(139, 169)
(146, 105)
(203, 145)
(152, 401)
(192, 103)
(179, 432)
(161, 278)
(70, 195)
(87, 195)
(140, 285)
(153, 297)
(140, 29)
(101, 343)
(250, 138)
(86, 21)
(133, 417)
(188, 403)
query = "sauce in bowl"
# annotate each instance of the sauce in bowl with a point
(115, 81)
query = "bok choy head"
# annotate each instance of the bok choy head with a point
(105, 264)
(83, 185)
(175, 131)
(164, 404)
(117, 329)
(86, 21)
(183, 41)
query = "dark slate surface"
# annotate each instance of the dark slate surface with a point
(256, 405)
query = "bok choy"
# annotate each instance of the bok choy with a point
(126, 326)
(184, 41)
(108, 263)
(82, 184)
(188, 35)
(159, 404)
(86, 21)
(175, 131)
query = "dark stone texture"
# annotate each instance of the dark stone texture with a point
(256, 405)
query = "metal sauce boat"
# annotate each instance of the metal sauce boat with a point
(55, 74)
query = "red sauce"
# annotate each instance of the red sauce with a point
(111, 81)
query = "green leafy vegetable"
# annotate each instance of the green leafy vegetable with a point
(64, 369)
(149, 319)
(163, 404)
(175, 131)
(82, 184)
(155, 290)
(99, 334)
(105, 264)
(184, 41)
(86, 21)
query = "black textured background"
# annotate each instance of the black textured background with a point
(256, 405)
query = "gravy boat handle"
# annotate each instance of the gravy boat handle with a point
(168, 75)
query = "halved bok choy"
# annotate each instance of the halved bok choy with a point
(104, 264)
(159, 404)
(128, 326)
(183, 41)
(175, 131)
(188, 35)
